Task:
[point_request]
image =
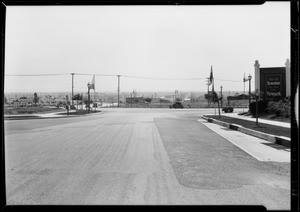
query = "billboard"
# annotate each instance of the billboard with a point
(272, 83)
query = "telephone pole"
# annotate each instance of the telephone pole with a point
(221, 96)
(245, 80)
(72, 86)
(208, 84)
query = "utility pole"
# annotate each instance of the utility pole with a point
(245, 80)
(118, 90)
(208, 84)
(72, 87)
(89, 86)
(249, 78)
(221, 96)
(176, 95)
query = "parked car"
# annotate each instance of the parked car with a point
(227, 109)
(176, 105)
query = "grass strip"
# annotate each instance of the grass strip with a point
(262, 127)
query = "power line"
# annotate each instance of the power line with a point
(115, 75)
(227, 80)
(33, 75)
(153, 78)
(106, 75)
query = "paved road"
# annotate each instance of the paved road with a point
(138, 156)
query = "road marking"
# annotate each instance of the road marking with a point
(251, 145)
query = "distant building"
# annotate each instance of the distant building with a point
(169, 98)
(238, 100)
(163, 100)
(135, 100)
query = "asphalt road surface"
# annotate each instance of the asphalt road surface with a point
(138, 156)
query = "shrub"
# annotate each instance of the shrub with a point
(280, 108)
(262, 107)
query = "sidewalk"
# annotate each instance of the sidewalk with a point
(41, 115)
(282, 140)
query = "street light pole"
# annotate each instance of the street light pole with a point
(88, 85)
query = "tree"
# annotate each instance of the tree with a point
(148, 100)
(86, 101)
(213, 97)
(77, 97)
(35, 98)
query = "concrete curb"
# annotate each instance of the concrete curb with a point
(281, 140)
(32, 117)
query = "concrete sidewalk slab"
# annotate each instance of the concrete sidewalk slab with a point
(260, 149)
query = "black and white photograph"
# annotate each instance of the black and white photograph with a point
(149, 105)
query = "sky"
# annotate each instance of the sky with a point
(153, 48)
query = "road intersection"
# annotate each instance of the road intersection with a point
(141, 156)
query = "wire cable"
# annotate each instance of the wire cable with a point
(33, 75)
(154, 78)
(106, 75)
(115, 75)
